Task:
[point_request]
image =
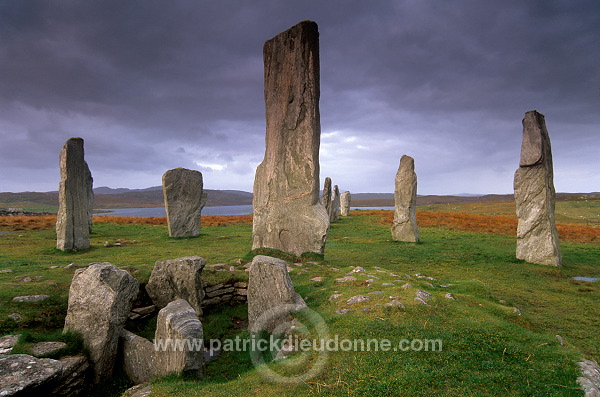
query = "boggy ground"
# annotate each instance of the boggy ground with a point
(489, 348)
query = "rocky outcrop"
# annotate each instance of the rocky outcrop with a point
(271, 295)
(184, 200)
(177, 279)
(287, 212)
(25, 375)
(100, 299)
(75, 198)
(178, 323)
(345, 200)
(537, 237)
(405, 226)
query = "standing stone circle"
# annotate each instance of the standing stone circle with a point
(405, 226)
(270, 288)
(537, 237)
(179, 278)
(345, 199)
(75, 198)
(100, 299)
(184, 199)
(288, 215)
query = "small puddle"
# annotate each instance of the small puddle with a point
(588, 279)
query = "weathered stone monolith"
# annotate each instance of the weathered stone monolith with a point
(334, 215)
(75, 198)
(271, 295)
(177, 323)
(345, 199)
(405, 202)
(174, 279)
(327, 195)
(287, 212)
(537, 237)
(184, 199)
(100, 299)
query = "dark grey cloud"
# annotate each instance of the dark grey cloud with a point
(152, 85)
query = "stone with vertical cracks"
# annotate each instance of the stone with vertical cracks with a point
(184, 199)
(100, 299)
(75, 198)
(288, 215)
(271, 295)
(179, 278)
(334, 215)
(405, 226)
(327, 196)
(345, 200)
(537, 237)
(178, 322)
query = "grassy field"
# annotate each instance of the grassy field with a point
(489, 348)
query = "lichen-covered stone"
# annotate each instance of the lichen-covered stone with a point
(327, 195)
(537, 237)
(179, 278)
(405, 226)
(345, 199)
(100, 299)
(334, 215)
(271, 295)
(178, 323)
(184, 199)
(287, 212)
(75, 198)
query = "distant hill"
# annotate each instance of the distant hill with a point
(106, 197)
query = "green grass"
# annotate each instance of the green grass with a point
(488, 349)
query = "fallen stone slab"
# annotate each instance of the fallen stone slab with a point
(30, 298)
(45, 348)
(357, 299)
(142, 390)
(7, 343)
(590, 379)
(25, 375)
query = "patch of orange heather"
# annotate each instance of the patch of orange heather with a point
(130, 220)
(19, 223)
(208, 220)
(481, 223)
(224, 220)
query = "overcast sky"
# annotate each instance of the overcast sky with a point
(154, 85)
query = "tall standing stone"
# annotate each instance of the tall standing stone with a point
(327, 195)
(345, 199)
(184, 200)
(537, 237)
(334, 215)
(405, 202)
(75, 198)
(100, 299)
(287, 212)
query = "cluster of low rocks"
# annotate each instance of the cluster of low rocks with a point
(102, 299)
